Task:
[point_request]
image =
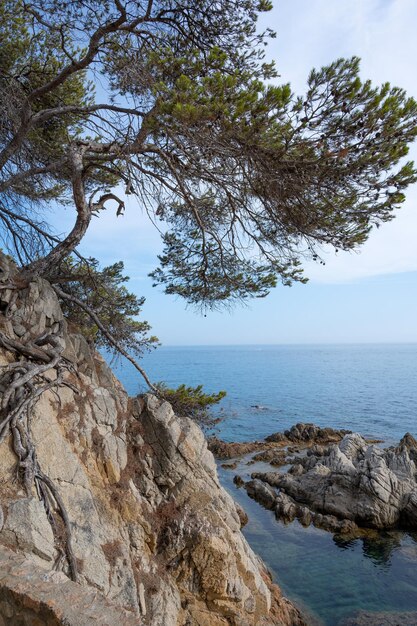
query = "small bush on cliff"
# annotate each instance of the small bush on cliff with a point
(193, 402)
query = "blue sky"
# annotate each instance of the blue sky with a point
(369, 296)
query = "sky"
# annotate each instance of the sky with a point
(362, 297)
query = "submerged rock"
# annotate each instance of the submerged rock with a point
(370, 618)
(229, 465)
(238, 481)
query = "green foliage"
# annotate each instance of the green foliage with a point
(247, 178)
(30, 57)
(192, 402)
(104, 292)
(322, 169)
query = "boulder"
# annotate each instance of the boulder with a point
(261, 492)
(312, 434)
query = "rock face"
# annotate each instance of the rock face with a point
(33, 596)
(348, 484)
(153, 532)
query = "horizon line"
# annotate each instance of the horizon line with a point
(306, 343)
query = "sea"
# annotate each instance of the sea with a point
(366, 388)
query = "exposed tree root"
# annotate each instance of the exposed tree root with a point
(22, 383)
(39, 366)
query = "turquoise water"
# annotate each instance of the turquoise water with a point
(371, 389)
(327, 577)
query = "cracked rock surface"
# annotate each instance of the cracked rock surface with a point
(345, 486)
(156, 538)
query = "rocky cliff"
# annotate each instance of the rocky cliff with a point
(154, 537)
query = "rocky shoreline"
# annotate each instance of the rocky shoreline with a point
(157, 540)
(304, 435)
(330, 558)
(336, 479)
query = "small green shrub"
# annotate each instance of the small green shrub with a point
(193, 402)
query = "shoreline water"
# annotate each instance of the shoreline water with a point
(365, 388)
(330, 578)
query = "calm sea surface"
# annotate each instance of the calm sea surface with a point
(371, 389)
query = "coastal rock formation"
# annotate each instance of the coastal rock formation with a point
(303, 435)
(308, 433)
(272, 456)
(225, 450)
(30, 595)
(155, 538)
(352, 483)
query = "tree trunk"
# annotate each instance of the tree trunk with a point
(42, 266)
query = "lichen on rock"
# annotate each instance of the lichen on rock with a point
(152, 530)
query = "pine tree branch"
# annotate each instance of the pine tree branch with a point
(66, 296)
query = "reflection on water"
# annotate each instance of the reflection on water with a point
(330, 577)
(369, 389)
(379, 547)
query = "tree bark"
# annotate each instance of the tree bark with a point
(84, 214)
